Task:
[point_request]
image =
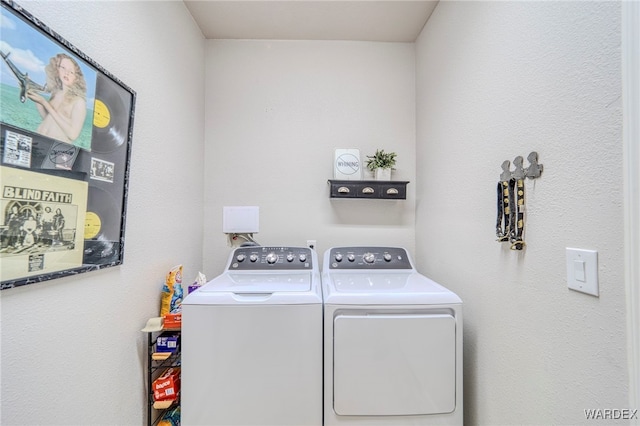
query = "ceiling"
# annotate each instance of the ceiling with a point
(363, 20)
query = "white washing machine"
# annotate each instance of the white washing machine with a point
(252, 342)
(392, 342)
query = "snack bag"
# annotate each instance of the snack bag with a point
(171, 417)
(172, 292)
(176, 300)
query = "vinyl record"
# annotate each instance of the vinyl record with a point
(102, 221)
(110, 116)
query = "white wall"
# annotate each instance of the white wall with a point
(631, 132)
(276, 111)
(72, 350)
(496, 80)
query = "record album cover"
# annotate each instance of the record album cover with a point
(42, 220)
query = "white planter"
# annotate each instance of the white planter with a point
(382, 174)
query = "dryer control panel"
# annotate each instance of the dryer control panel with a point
(369, 258)
(261, 258)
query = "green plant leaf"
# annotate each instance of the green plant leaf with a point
(381, 160)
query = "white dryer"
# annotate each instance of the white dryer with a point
(392, 343)
(252, 342)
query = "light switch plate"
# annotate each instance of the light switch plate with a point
(582, 271)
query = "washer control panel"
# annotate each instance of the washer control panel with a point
(369, 258)
(269, 258)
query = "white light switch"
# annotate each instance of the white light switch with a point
(582, 270)
(578, 269)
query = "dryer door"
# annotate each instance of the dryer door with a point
(395, 364)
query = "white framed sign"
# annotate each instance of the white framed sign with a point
(347, 165)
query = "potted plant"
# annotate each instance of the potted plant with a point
(381, 163)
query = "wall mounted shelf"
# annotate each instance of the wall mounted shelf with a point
(378, 189)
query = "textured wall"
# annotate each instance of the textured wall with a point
(496, 80)
(275, 113)
(72, 350)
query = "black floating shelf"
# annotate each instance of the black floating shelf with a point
(378, 189)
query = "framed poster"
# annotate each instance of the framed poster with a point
(65, 144)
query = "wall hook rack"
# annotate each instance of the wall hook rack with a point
(511, 199)
(534, 170)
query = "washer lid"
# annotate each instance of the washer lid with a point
(258, 288)
(384, 288)
(260, 283)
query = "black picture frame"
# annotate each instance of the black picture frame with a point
(64, 165)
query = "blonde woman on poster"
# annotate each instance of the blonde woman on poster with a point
(64, 113)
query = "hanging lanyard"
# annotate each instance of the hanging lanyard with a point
(503, 229)
(517, 217)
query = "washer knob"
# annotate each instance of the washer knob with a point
(338, 257)
(369, 257)
(303, 257)
(241, 257)
(387, 257)
(289, 257)
(351, 257)
(272, 258)
(253, 257)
